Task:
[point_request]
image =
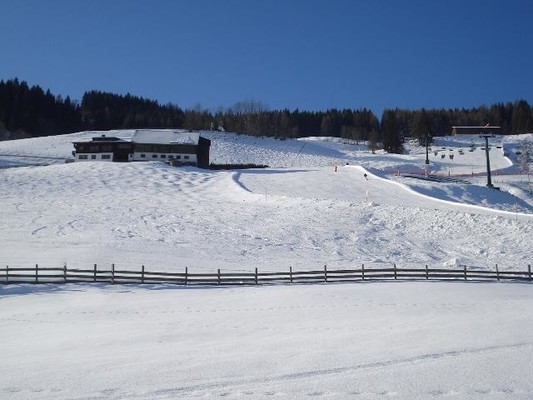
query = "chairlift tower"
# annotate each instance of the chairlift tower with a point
(485, 132)
(486, 136)
(427, 148)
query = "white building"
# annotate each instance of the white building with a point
(174, 146)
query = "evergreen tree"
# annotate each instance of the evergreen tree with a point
(390, 131)
(521, 120)
(422, 129)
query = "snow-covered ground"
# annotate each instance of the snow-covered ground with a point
(298, 213)
(422, 340)
(362, 341)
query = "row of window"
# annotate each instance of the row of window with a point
(98, 148)
(163, 148)
(154, 156)
(170, 156)
(93, 157)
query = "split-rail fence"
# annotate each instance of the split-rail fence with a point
(42, 275)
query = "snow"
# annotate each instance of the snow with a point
(313, 206)
(299, 213)
(165, 136)
(361, 341)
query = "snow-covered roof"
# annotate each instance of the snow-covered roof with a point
(165, 136)
(101, 138)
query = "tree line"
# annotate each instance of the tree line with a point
(30, 111)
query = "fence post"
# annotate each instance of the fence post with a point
(256, 277)
(497, 273)
(36, 273)
(529, 271)
(427, 272)
(218, 276)
(65, 273)
(142, 274)
(363, 271)
(94, 272)
(395, 272)
(186, 276)
(325, 273)
(112, 274)
(464, 269)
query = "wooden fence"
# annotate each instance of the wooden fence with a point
(40, 275)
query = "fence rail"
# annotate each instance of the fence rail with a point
(41, 275)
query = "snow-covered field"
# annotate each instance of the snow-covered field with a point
(298, 213)
(350, 341)
(362, 341)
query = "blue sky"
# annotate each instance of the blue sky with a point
(306, 54)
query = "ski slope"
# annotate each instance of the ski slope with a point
(403, 340)
(299, 216)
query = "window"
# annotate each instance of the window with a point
(82, 157)
(93, 156)
(106, 157)
(154, 155)
(143, 155)
(185, 157)
(163, 156)
(170, 157)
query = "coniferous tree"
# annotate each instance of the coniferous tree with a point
(521, 121)
(31, 111)
(390, 131)
(422, 129)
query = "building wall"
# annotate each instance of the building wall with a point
(203, 152)
(118, 150)
(185, 158)
(94, 157)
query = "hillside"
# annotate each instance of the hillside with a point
(298, 213)
(367, 340)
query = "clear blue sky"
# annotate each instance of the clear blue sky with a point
(306, 54)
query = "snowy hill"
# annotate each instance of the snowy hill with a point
(300, 213)
(404, 340)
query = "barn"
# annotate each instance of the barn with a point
(176, 147)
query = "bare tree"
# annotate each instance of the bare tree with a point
(525, 155)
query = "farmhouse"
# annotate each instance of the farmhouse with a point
(173, 146)
(103, 148)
